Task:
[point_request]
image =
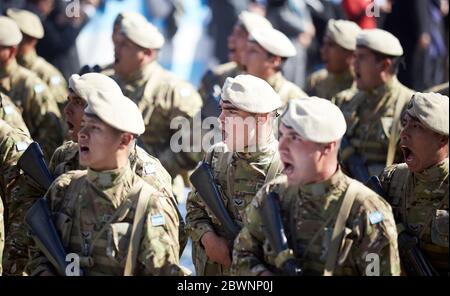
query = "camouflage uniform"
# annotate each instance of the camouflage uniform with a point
(326, 85)
(11, 114)
(84, 203)
(309, 214)
(49, 74)
(12, 144)
(371, 121)
(2, 235)
(286, 89)
(39, 109)
(420, 205)
(161, 97)
(239, 176)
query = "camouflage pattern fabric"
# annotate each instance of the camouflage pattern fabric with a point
(326, 85)
(11, 114)
(286, 89)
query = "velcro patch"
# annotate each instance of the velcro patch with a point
(8, 109)
(157, 220)
(21, 146)
(376, 217)
(149, 169)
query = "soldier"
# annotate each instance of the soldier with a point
(266, 51)
(241, 164)
(334, 225)
(160, 96)
(11, 114)
(2, 235)
(213, 80)
(106, 201)
(339, 44)
(39, 108)
(32, 30)
(418, 189)
(13, 143)
(373, 112)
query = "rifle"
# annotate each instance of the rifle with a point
(33, 164)
(355, 163)
(274, 230)
(412, 258)
(203, 181)
(38, 217)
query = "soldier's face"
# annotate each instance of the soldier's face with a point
(236, 44)
(420, 145)
(368, 70)
(73, 112)
(238, 127)
(301, 158)
(256, 60)
(128, 56)
(336, 58)
(6, 53)
(98, 144)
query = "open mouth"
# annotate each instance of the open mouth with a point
(408, 154)
(288, 168)
(84, 149)
(70, 125)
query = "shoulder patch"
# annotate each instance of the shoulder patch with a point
(185, 92)
(21, 146)
(149, 169)
(8, 109)
(38, 88)
(55, 80)
(157, 220)
(376, 217)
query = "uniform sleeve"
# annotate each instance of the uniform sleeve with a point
(376, 250)
(248, 253)
(43, 118)
(159, 250)
(198, 221)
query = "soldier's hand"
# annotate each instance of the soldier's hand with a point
(216, 248)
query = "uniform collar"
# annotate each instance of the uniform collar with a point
(438, 172)
(341, 77)
(28, 59)
(141, 73)
(275, 80)
(108, 179)
(258, 151)
(323, 188)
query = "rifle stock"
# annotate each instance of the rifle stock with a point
(33, 164)
(203, 181)
(355, 163)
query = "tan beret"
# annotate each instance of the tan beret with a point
(251, 21)
(380, 41)
(431, 109)
(10, 34)
(273, 41)
(116, 110)
(83, 85)
(250, 94)
(128, 14)
(28, 22)
(343, 32)
(315, 119)
(142, 33)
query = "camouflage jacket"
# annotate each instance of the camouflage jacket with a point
(2, 235)
(39, 108)
(326, 85)
(239, 176)
(370, 117)
(49, 74)
(11, 114)
(13, 143)
(308, 215)
(420, 204)
(147, 167)
(93, 213)
(162, 97)
(286, 89)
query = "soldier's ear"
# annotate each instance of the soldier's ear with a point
(126, 139)
(329, 147)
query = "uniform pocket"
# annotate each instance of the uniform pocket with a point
(439, 228)
(118, 240)
(63, 224)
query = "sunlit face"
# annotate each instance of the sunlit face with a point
(367, 69)
(98, 143)
(74, 111)
(128, 56)
(237, 43)
(6, 53)
(419, 144)
(300, 157)
(336, 59)
(256, 60)
(239, 128)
